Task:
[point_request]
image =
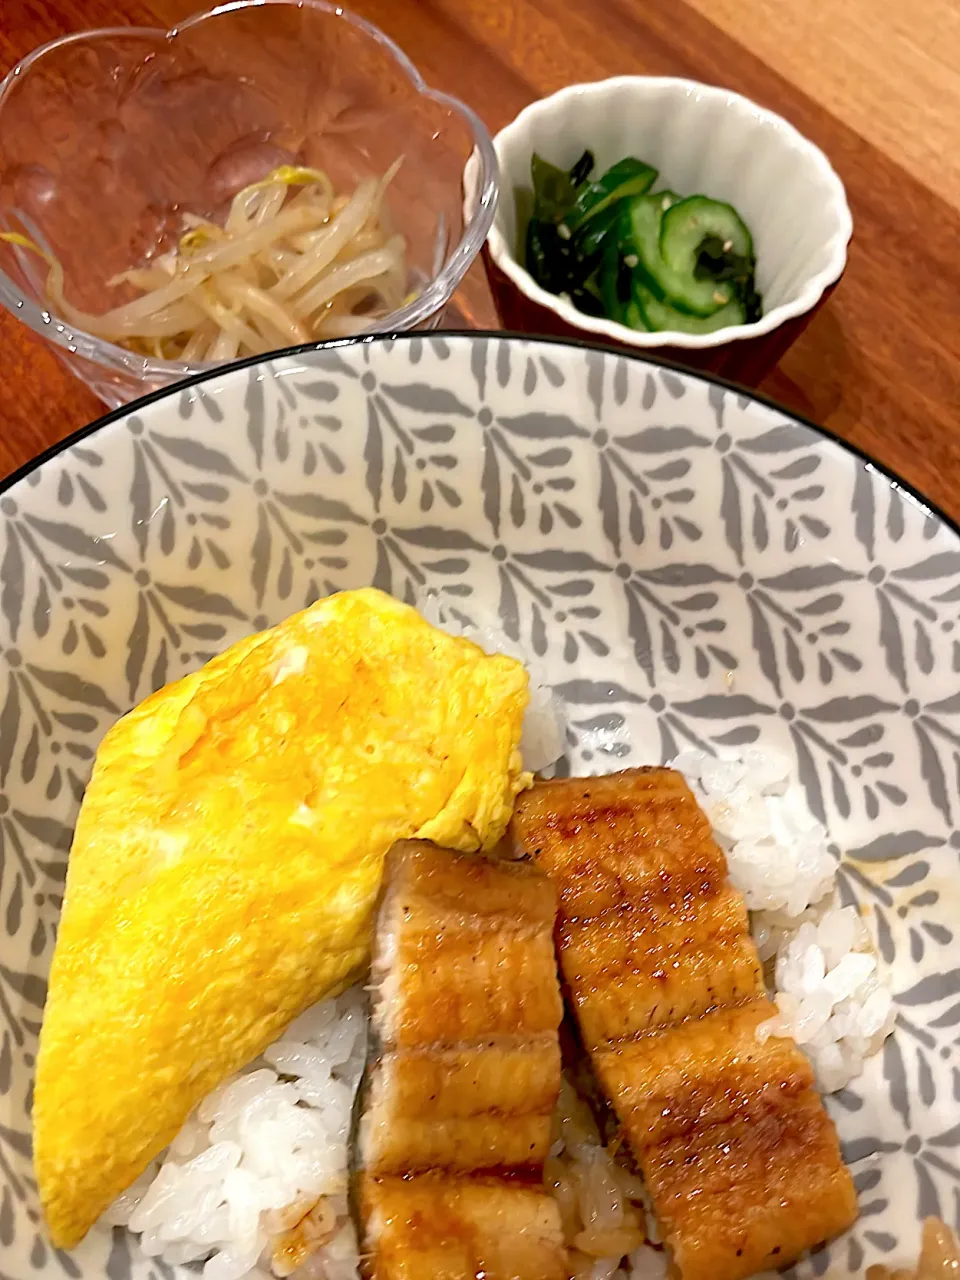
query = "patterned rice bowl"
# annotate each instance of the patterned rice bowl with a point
(688, 565)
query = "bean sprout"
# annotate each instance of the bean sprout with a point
(293, 262)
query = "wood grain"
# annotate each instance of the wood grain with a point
(889, 71)
(877, 86)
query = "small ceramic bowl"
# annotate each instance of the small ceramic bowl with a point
(703, 140)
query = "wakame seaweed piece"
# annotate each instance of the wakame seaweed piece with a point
(582, 170)
(557, 267)
(608, 275)
(553, 260)
(752, 303)
(543, 255)
(640, 244)
(588, 297)
(719, 264)
(615, 279)
(660, 317)
(716, 263)
(554, 190)
(629, 177)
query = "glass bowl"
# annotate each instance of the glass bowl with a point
(108, 137)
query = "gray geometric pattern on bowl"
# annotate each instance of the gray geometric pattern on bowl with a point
(688, 565)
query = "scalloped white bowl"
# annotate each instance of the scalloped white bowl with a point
(702, 139)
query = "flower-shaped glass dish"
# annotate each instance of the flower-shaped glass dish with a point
(108, 137)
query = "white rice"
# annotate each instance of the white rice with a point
(602, 1205)
(831, 997)
(776, 850)
(263, 1150)
(262, 1162)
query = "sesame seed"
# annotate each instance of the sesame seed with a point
(563, 231)
(631, 260)
(727, 246)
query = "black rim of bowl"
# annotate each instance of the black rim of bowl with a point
(490, 335)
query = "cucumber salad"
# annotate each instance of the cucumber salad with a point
(651, 260)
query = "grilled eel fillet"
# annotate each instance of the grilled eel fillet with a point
(458, 1095)
(741, 1160)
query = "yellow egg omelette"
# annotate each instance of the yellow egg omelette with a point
(226, 862)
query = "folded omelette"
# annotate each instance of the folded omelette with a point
(226, 862)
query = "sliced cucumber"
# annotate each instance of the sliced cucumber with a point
(594, 234)
(648, 260)
(689, 222)
(666, 198)
(628, 178)
(659, 315)
(680, 287)
(640, 235)
(608, 275)
(634, 318)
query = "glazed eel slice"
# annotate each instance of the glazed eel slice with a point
(436, 1227)
(740, 1158)
(464, 1073)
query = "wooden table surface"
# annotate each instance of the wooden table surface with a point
(876, 84)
